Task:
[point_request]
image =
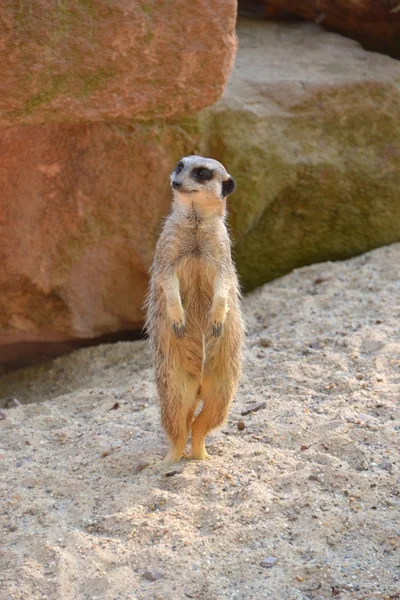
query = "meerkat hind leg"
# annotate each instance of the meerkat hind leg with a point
(176, 451)
(177, 417)
(214, 412)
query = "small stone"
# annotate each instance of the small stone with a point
(316, 345)
(253, 408)
(265, 342)
(299, 578)
(141, 466)
(385, 465)
(268, 562)
(171, 473)
(241, 425)
(303, 447)
(152, 575)
(115, 406)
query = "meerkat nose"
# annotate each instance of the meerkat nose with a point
(176, 184)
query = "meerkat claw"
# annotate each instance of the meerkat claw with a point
(217, 329)
(179, 330)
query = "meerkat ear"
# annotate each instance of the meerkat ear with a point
(228, 187)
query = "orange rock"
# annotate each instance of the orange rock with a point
(101, 60)
(80, 210)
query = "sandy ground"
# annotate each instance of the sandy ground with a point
(310, 486)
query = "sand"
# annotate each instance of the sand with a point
(302, 503)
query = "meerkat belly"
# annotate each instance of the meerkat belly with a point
(196, 279)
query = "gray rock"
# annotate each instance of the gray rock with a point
(152, 575)
(268, 562)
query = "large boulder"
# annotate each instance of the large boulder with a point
(375, 23)
(81, 207)
(101, 60)
(310, 127)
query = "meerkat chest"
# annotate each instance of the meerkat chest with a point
(198, 260)
(202, 244)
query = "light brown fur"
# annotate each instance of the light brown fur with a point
(194, 316)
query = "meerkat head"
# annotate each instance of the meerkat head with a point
(201, 179)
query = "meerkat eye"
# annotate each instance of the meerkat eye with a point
(203, 174)
(179, 168)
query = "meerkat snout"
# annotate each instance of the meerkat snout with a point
(201, 176)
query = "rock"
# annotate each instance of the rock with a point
(254, 408)
(241, 425)
(316, 477)
(172, 473)
(268, 562)
(385, 465)
(375, 24)
(80, 214)
(152, 575)
(315, 157)
(97, 61)
(141, 466)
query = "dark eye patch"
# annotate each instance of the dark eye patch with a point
(202, 174)
(179, 168)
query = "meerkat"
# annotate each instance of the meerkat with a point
(194, 318)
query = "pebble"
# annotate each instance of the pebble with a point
(254, 408)
(268, 562)
(141, 466)
(385, 465)
(241, 425)
(265, 342)
(171, 473)
(152, 575)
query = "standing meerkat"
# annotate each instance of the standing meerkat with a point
(194, 318)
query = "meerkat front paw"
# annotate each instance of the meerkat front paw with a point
(217, 316)
(177, 317)
(217, 328)
(179, 328)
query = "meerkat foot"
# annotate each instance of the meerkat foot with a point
(199, 451)
(200, 456)
(172, 457)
